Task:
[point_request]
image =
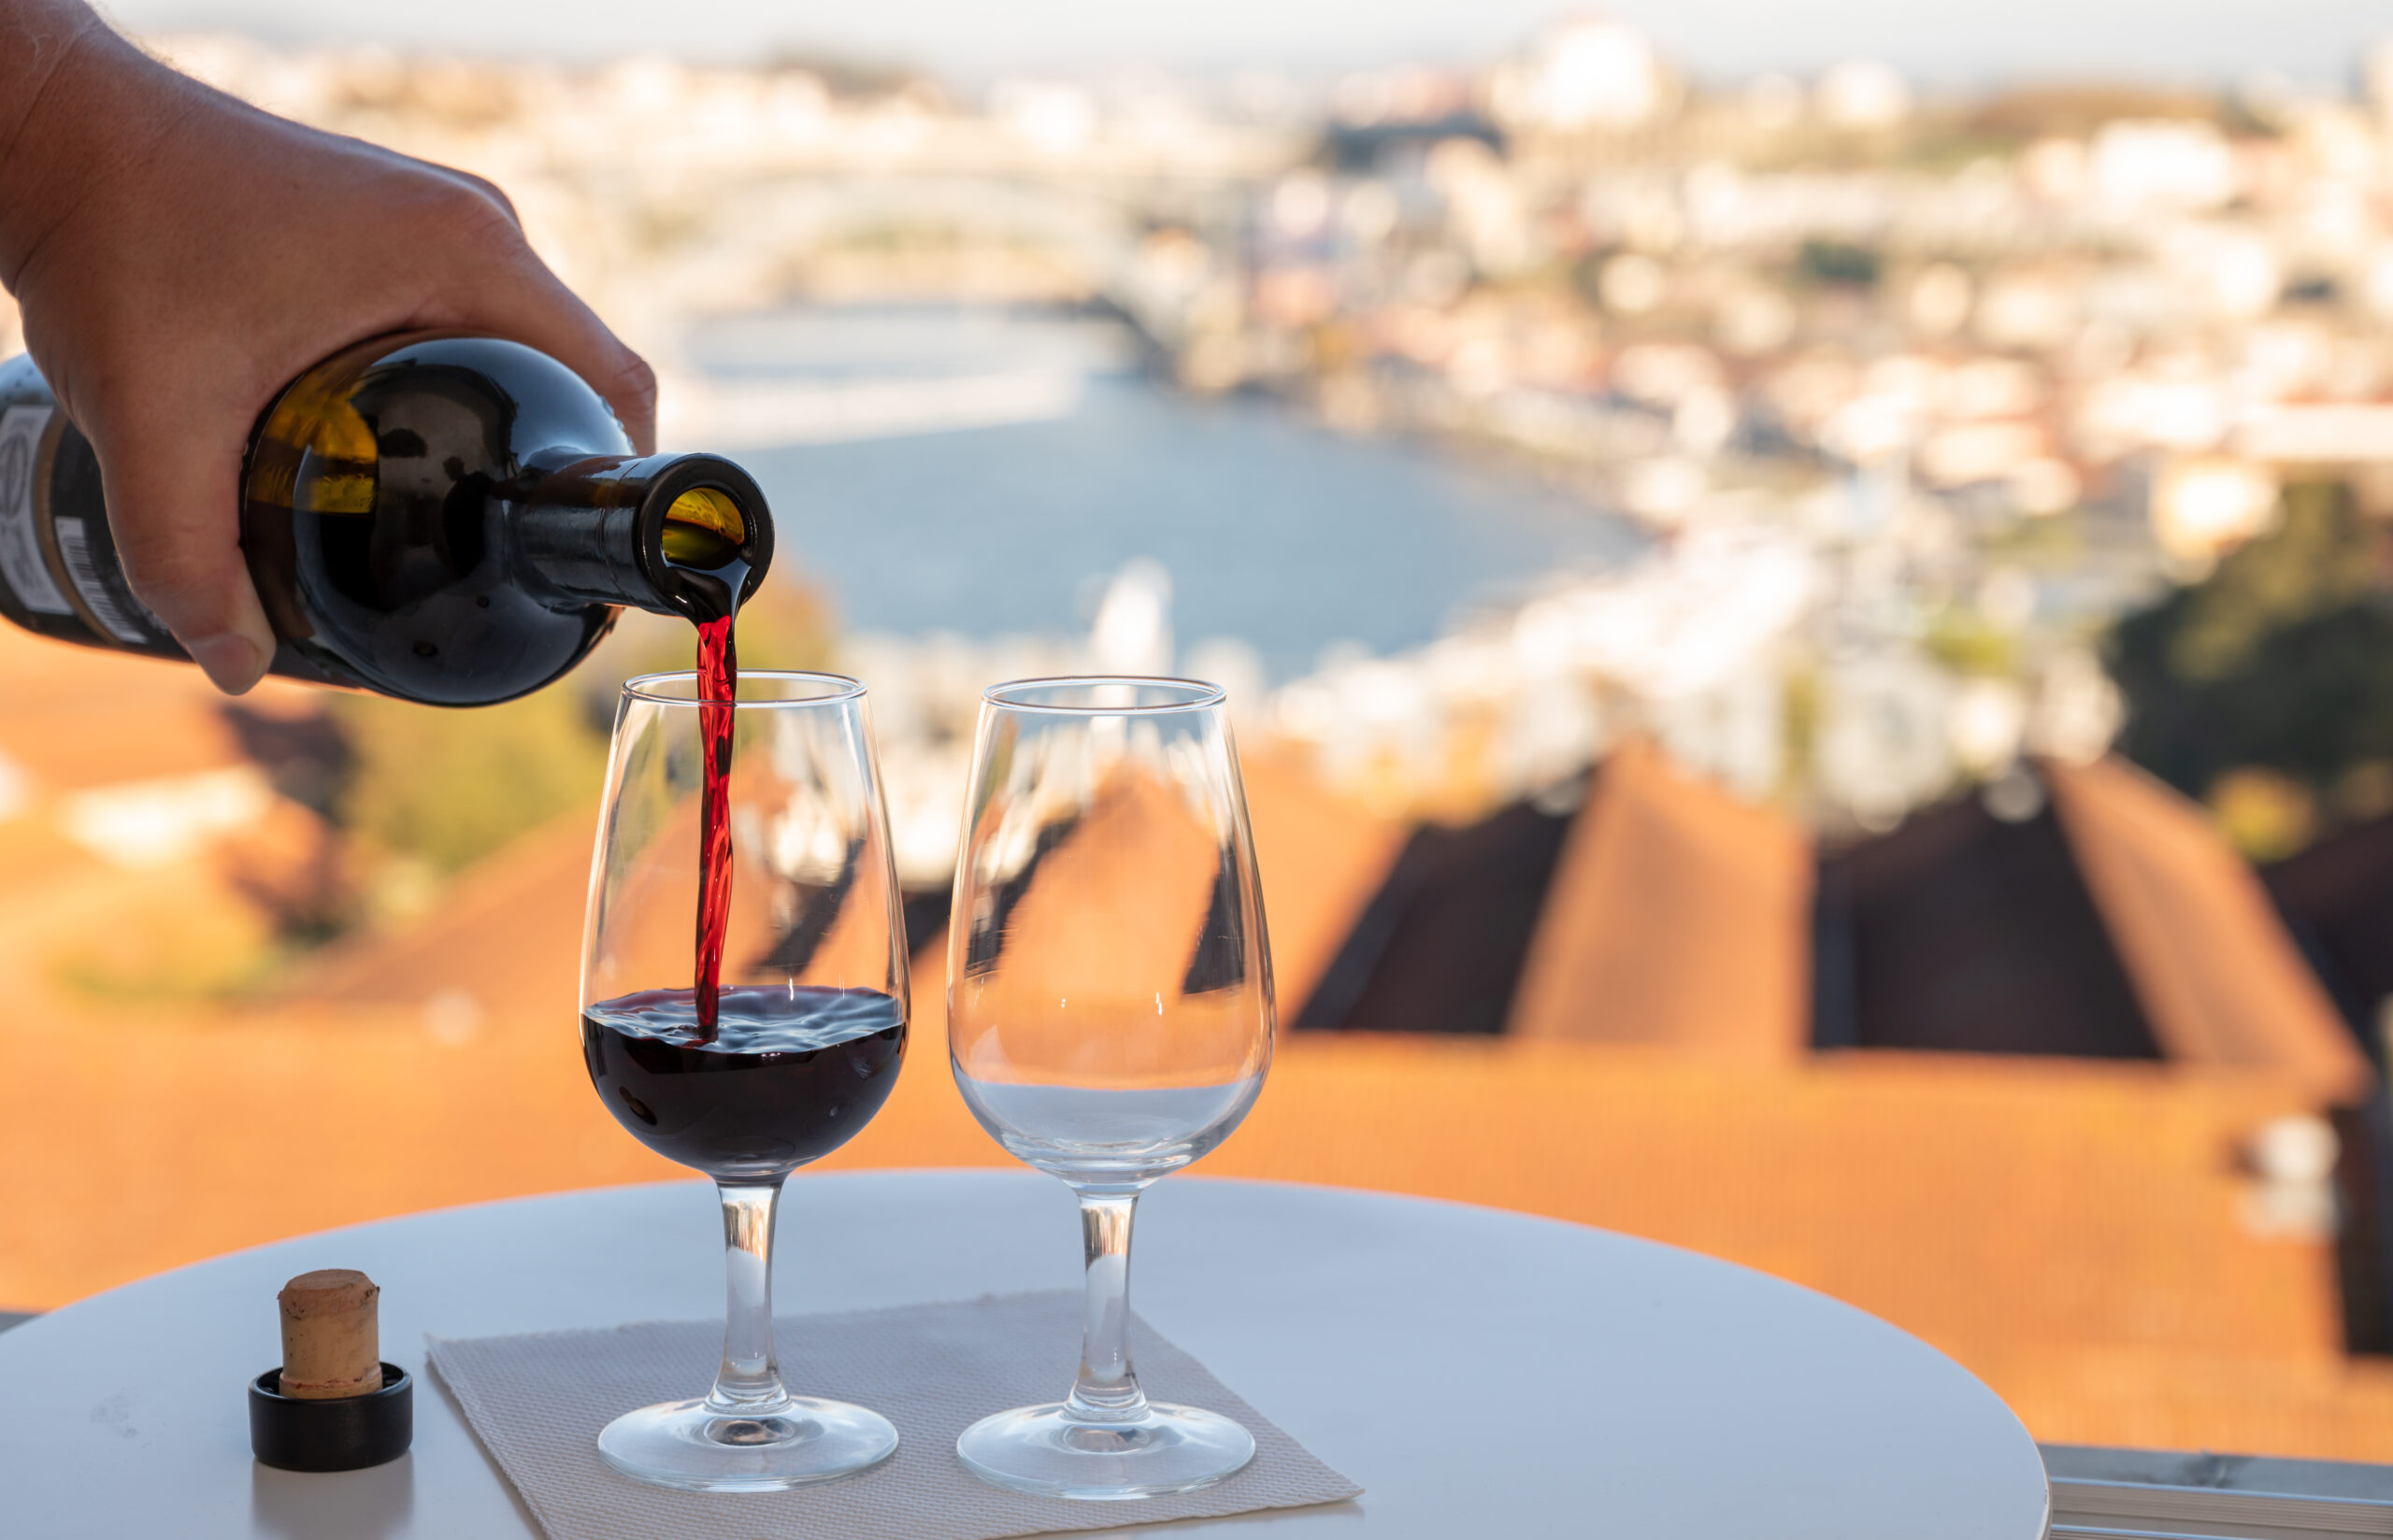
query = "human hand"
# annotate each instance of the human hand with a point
(178, 257)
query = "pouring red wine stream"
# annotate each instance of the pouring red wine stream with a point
(713, 574)
(718, 690)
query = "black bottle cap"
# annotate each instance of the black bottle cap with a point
(343, 1433)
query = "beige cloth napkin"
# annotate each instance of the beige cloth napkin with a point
(538, 1402)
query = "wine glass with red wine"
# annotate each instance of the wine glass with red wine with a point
(743, 1012)
(1110, 1022)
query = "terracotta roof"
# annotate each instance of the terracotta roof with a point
(1961, 931)
(1113, 912)
(2341, 892)
(1322, 857)
(2220, 981)
(1439, 947)
(1677, 915)
(508, 934)
(76, 717)
(2070, 1230)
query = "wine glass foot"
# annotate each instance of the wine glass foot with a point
(681, 1444)
(1042, 1451)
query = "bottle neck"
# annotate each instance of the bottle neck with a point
(683, 535)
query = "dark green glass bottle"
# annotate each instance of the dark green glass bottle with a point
(448, 519)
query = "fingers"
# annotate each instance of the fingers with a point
(174, 515)
(561, 326)
(500, 285)
(634, 397)
(482, 275)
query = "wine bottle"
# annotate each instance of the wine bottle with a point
(444, 518)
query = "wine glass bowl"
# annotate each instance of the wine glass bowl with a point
(792, 1056)
(1110, 1021)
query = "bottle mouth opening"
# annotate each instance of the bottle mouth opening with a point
(703, 529)
(703, 538)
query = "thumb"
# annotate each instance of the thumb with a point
(173, 512)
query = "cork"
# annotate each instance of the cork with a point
(330, 1344)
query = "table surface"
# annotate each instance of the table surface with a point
(1475, 1370)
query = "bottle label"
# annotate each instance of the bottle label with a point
(116, 611)
(20, 564)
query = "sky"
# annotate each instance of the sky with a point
(1960, 42)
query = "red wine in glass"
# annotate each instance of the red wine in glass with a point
(787, 1076)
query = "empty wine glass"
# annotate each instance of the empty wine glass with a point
(1110, 1021)
(786, 1063)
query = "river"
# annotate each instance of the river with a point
(983, 472)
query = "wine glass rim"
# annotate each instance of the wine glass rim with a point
(839, 688)
(1203, 694)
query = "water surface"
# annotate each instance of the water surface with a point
(1064, 462)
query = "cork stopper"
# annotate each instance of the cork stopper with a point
(331, 1347)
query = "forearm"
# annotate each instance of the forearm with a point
(75, 99)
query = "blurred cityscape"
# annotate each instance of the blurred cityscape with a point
(1954, 624)
(1922, 393)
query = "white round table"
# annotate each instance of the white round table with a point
(1479, 1373)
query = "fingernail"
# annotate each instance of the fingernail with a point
(231, 660)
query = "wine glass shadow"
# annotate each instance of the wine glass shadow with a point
(374, 1503)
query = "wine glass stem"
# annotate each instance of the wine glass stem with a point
(1107, 1390)
(749, 1384)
